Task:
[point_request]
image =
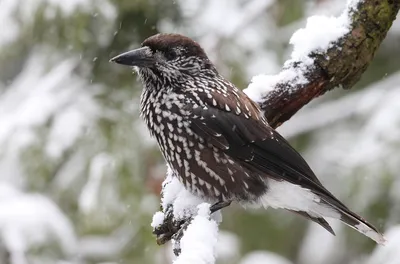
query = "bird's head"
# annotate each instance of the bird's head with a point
(167, 55)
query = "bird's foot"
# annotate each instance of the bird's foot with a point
(219, 205)
(172, 228)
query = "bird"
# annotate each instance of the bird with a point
(217, 141)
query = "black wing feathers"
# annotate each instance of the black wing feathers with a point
(258, 147)
(211, 132)
(252, 141)
(319, 220)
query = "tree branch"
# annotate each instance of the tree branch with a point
(340, 65)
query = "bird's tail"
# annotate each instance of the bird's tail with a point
(356, 222)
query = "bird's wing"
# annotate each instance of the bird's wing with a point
(247, 138)
(258, 148)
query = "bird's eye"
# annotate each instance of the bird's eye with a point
(170, 55)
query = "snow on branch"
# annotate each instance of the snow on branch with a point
(329, 52)
(187, 220)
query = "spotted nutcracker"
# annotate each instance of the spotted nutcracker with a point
(217, 141)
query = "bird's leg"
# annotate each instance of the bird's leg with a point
(219, 205)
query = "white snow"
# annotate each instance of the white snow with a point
(318, 35)
(170, 189)
(353, 105)
(185, 204)
(263, 257)
(106, 246)
(199, 241)
(357, 152)
(173, 192)
(37, 94)
(10, 29)
(158, 219)
(263, 84)
(390, 253)
(30, 220)
(198, 245)
(35, 97)
(332, 246)
(260, 86)
(228, 246)
(89, 198)
(11, 24)
(236, 16)
(47, 103)
(62, 134)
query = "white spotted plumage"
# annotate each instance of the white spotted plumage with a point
(217, 142)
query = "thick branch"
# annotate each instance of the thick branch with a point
(341, 66)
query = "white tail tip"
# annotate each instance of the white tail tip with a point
(377, 237)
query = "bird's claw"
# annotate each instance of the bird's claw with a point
(219, 205)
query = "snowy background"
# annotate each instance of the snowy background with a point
(80, 178)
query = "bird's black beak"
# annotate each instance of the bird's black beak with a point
(142, 57)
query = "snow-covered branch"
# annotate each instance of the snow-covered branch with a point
(329, 52)
(187, 220)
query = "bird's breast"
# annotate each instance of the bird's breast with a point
(166, 120)
(201, 167)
